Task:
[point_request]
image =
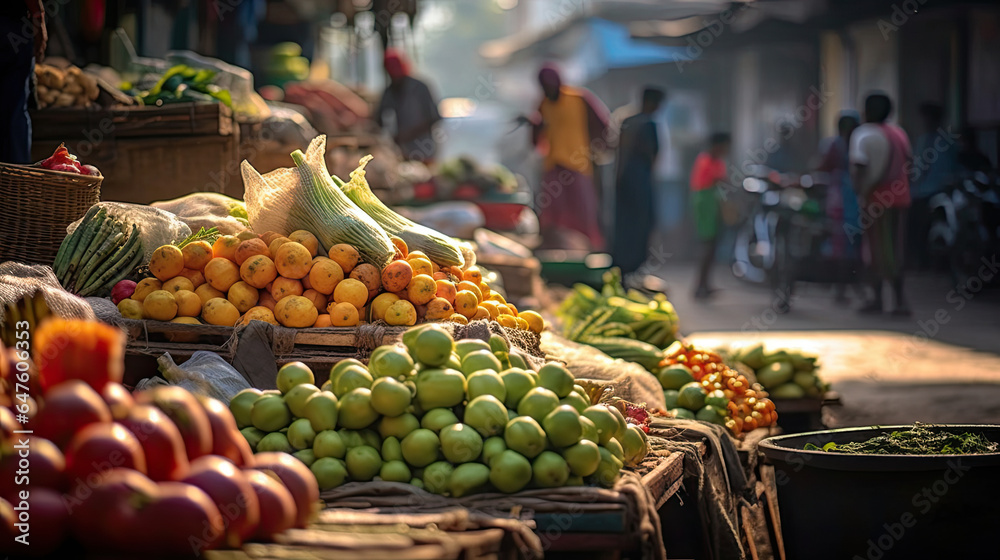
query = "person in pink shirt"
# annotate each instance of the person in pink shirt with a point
(880, 156)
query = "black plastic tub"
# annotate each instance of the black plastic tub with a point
(879, 507)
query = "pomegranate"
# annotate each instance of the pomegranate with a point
(104, 515)
(49, 522)
(227, 441)
(181, 520)
(100, 448)
(118, 399)
(69, 407)
(232, 494)
(161, 442)
(43, 467)
(297, 478)
(277, 508)
(189, 417)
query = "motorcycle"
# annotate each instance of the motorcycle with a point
(965, 225)
(785, 238)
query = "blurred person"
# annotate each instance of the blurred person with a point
(787, 158)
(880, 155)
(707, 177)
(935, 169)
(408, 110)
(969, 158)
(841, 203)
(236, 31)
(634, 206)
(18, 54)
(569, 125)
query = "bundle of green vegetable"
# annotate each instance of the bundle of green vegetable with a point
(307, 198)
(918, 440)
(101, 251)
(439, 247)
(622, 324)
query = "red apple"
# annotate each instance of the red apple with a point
(100, 448)
(231, 493)
(69, 407)
(43, 467)
(49, 522)
(297, 478)
(227, 441)
(161, 442)
(118, 399)
(277, 508)
(188, 415)
(104, 515)
(181, 520)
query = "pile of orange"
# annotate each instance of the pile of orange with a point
(285, 280)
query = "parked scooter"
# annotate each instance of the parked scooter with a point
(965, 225)
(782, 240)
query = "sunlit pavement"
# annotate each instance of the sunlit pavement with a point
(940, 365)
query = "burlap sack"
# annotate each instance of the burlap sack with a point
(19, 280)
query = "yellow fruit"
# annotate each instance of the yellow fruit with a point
(343, 314)
(346, 256)
(481, 313)
(167, 262)
(474, 288)
(421, 266)
(249, 248)
(460, 319)
(188, 303)
(381, 303)
(504, 310)
(513, 310)
(221, 273)
(323, 320)
(307, 240)
(295, 311)
(351, 291)
(269, 236)
(206, 292)
(276, 244)
(293, 260)
(258, 271)
(446, 289)
(485, 290)
(130, 308)
(507, 321)
(266, 300)
(219, 311)
(225, 247)
(495, 296)
(197, 254)
(145, 287)
(401, 313)
(473, 274)
(318, 299)
(521, 324)
(421, 290)
(159, 305)
(196, 277)
(438, 309)
(283, 287)
(535, 322)
(492, 307)
(258, 314)
(324, 275)
(177, 284)
(466, 303)
(243, 296)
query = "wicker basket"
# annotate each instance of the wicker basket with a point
(38, 205)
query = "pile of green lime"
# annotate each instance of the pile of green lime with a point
(688, 399)
(450, 417)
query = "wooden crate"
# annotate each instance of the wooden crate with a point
(805, 414)
(150, 153)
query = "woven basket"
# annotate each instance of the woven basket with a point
(38, 205)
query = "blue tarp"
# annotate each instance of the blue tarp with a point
(620, 50)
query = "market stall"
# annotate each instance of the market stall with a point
(393, 378)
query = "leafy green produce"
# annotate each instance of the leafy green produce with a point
(918, 440)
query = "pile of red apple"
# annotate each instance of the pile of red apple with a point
(160, 472)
